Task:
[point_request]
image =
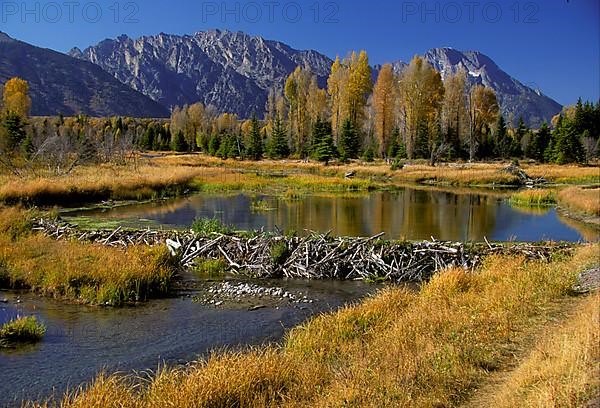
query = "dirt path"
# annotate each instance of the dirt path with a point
(589, 281)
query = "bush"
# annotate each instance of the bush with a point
(279, 252)
(22, 330)
(207, 226)
(397, 165)
(210, 267)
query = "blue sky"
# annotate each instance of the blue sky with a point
(548, 44)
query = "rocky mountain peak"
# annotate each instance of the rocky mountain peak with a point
(233, 71)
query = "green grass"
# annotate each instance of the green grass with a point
(534, 198)
(208, 226)
(22, 330)
(210, 267)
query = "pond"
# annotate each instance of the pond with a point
(81, 340)
(413, 214)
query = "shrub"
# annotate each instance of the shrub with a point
(207, 226)
(22, 330)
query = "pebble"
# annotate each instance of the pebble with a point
(217, 294)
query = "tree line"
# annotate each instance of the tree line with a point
(408, 115)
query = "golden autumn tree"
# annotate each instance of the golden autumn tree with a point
(384, 101)
(296, 91)
(454, 108)
(316, 101)
(336, 89)
(15, 97)
(358, 87)
(421, 95)
(482, 110)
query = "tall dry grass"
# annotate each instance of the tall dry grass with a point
(86, 184)
(172, 174)
(563, 369)
(566, 174)
(78, 271)
(399, 348)
(581, 200)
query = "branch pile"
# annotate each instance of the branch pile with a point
(315, 256)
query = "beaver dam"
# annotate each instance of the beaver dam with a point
(315, 256)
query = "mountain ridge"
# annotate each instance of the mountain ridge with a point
(232, 71)
(60, 84)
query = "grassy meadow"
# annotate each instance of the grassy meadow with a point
(400, 348)
(170, 175)
(75, 271)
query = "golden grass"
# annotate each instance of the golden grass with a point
(564, 173)
(81, 272)
(453, 174)
(172, 174)
(563, 370)
(533, 197)
(581, 200)
(95, 184)
(398, 348)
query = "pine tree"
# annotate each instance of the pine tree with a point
(568, 147)
(539, 143)
(27, 146)
(394, 143)
(349, 143)
(14, 131)
(278, 146)
(502, 145)
(179, 144)
(213, 144)
(255, 140)
(323, 148)
(516, 143)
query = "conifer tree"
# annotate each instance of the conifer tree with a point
(278, 146)
(14, 131)
(539, 143)
(323, 148)
(349, 144)
(179, 143)
(502, 145)
(255, 141)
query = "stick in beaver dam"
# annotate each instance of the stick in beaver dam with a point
(313, 256)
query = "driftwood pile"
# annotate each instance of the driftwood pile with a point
(524, 178)
(315, 256)
(119, 237)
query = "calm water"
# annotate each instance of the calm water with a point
(81, 341)
(409, 214)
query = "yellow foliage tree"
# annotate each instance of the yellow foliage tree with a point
(454, 110)
(296, 92)
(336, 88)
(358, 88)
(384, 101)
(15, 97)
(482, 112)
(421, 95)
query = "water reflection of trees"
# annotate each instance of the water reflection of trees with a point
(411, 214)
(408, 213)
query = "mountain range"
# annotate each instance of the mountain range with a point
(60, 84)
(231, 71)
